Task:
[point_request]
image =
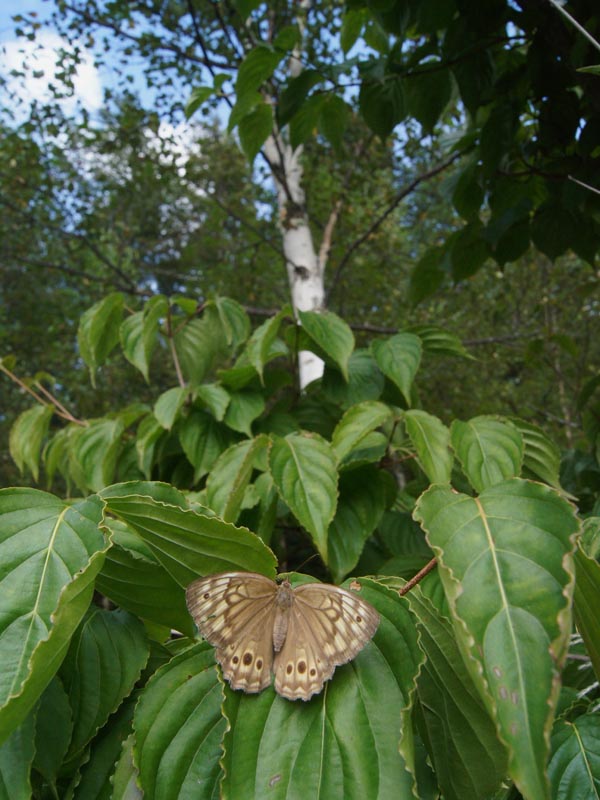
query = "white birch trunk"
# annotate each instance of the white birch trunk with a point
(304, 267)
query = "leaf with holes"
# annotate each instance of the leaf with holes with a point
(505, 559)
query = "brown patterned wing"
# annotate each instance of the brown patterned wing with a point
(328, 627)
(235, 612)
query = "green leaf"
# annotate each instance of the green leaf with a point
(303, 467)
(574, 768)
(230, 476)
(428, 274)
(215, 398)
(203, 440)
(26, 436)
(431, 439)
(398, 358)
(353, 22)
(169, 404)
(362, 500)
(198, 343)
(98, 775)
(541, 456)
(254, 129)
(148, 434)
(53, 729)
(197, 98)
(244, 407)
(178, 728)
(470, 762)
(333, 120)
(344, 742)
(125, 781)
(468, 250)
(94, 453)
(16, 756)
(489, 450)
(365, 381)
(260, 343)
(439, 341)
(187, 543)
(50, 554)
(98, 331)
(103, 663)
(306, 120)
(231, 317)
(356, 424)
(551, 229)
(331, 334)
(505, 561)
(139, 333)
(427, 94)
(294, 94)
(585, 605)
(258, 65)
(141, 585)
(382, 105)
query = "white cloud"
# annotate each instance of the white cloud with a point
(41, 56)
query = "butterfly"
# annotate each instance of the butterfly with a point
(259, 626)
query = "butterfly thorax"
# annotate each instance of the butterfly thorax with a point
(283, 603)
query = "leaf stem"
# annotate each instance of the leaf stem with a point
(418, 577)
(173, 349)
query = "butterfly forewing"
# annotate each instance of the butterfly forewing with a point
(235, 612)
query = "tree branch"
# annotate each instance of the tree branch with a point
(381, 219)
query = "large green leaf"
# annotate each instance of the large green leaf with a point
(197, 342)
(104, 661)
(254, 129)
(179, 727)
(244, 407)
(574, 768)
(133, 579)
(26, 436)
(97, 774)
(585, 606)
(399, 357)
(169, 404)
(98, 331)
(16, 756)
(362, 501)
(365, 381)
(189, 544)
(356, 424)
(488, 449)
(331, 334)
(230, 476)
(343, 743)
(303, 467)
(231, 318)
(50, 554)
(139, 333)
(505, 561)
(470, 762)
(53, 729)
(431, 439)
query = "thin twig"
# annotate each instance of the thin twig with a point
(575, 24)
(381, 219)
(418, 577)
(65, 413)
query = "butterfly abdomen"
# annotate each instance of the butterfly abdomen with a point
(283, 604)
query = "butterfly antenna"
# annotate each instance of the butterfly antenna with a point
(306, 560)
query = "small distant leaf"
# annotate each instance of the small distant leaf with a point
(294, 94)
(333, 120)
(382, 105)
(230, 476)
(438, 340)
(331, 334)
(593, 70)
(303, 467)
(256, 68)
(488, 449)
(98, 331)
(305, 121)
(259, 344)
(431, 439)
(244, 407)
(168, 405)
(197, 99)
(541, 455)
(356, 424)
(26, 437)
(398, 358)
(203, 440)
(352, 25)
(139, 333)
